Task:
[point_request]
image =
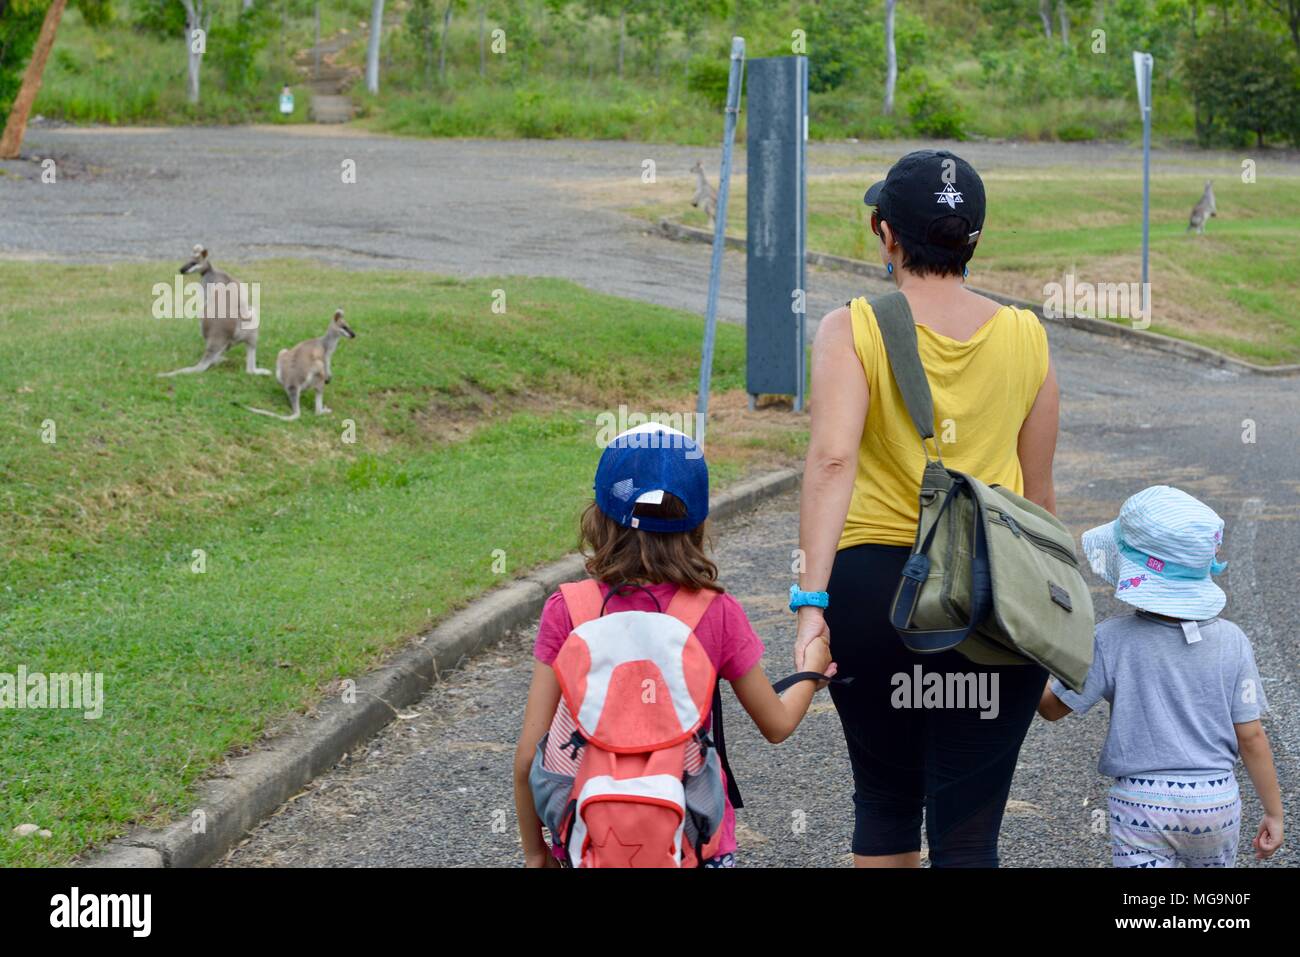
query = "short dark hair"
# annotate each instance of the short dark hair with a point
(946, 250)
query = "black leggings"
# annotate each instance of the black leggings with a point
(949, 760)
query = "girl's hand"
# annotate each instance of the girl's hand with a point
(812, 626)
(1269, 838)
(544, 858)
(817, 657)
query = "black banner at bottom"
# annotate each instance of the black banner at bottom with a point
(300, 906)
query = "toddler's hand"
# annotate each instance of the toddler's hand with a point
(1269, 838)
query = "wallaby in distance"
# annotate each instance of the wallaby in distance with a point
(228, 318)
(307, 366)
(1203, 210)
(706, 197)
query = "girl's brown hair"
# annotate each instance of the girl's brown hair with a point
(616, 554)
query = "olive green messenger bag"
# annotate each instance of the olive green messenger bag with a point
(991, 574)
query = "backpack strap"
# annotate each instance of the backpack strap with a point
(688, 605)
(898, 330)
(720, 742)
(583, 599)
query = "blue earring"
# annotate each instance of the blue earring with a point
(889, 268)
(965, 271)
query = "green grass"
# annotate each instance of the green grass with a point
(116, 75)
(475, 431)
(550, 109)
(1233, 288)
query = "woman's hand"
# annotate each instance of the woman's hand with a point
(812, 627)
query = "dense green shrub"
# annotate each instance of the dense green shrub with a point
(234, 45)
(1075, 132)
(20, 23)
(709, 78)
(933, 108)
(1244, 83)
(161, 18)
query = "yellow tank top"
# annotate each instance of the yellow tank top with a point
(983, 389)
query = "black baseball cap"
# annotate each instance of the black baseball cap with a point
(926, 186)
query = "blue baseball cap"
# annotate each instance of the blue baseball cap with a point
(643, 464)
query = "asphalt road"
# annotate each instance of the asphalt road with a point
(434, 788)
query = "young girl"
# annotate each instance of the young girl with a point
(645, 529)
(1185, 697)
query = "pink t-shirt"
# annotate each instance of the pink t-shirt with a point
(724, 631)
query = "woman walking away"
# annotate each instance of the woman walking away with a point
(995, 405)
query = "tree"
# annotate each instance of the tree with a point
(1290, 11)
(1243, 82)
(650, 25)
(372, 47)
(16, 123)
(622, 38)
(419, 21)
(198, 18)
(482, 39)
(891, 58)
(442, 41)
(1045, 14)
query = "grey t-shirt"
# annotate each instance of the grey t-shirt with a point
(1173, 702)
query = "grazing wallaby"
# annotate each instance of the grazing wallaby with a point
(307, 366)
(228, 318)
(706, 197)
(1203, 210)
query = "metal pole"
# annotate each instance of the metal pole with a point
(315, 59)
(719, 232)
(1143, 63)
(801, 224)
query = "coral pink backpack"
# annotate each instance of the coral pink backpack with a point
(625, 777)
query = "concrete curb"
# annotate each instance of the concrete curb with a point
(246, 790)
(1154, 340)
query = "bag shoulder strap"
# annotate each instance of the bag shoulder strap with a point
(898, 330)
(583, 599)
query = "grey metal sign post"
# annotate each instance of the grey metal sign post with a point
(1142, 63)
(775, 298)
(734, 82)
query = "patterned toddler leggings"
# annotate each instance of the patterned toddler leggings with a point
(1163, 820)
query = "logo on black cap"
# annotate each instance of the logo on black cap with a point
(948, 195)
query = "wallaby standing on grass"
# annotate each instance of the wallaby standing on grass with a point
(1203, 210)
(227, 317)
(307, 366)
(706, 197)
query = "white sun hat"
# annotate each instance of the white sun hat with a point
(1160, 554)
